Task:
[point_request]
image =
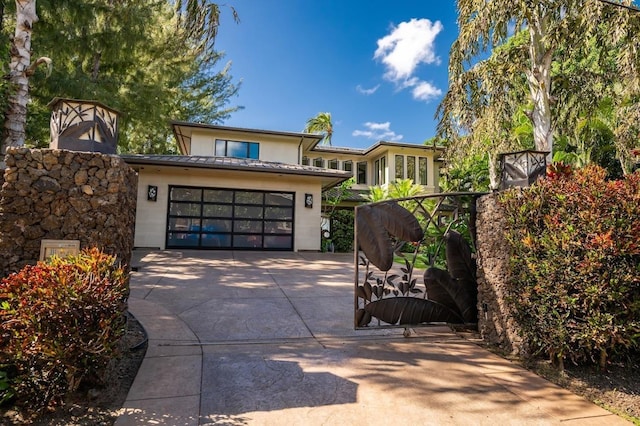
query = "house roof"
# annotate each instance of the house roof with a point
(310, 141)
(352, 195)
(183, 131)
(329, 178)
(377, 146)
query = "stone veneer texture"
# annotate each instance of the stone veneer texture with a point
(65, 195)
(495, 321)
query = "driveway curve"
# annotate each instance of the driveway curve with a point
(254, 338)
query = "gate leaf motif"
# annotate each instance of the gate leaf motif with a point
(411, 310)
(377, 223)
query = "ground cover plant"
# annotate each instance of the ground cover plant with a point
(60, 323)
(575, 262)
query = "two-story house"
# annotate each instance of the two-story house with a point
(238, 188)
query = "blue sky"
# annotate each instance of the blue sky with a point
(378, 66)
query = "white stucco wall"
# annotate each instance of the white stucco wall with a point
(272, 148)
(151, 217)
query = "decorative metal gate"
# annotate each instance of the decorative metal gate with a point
(415, 262)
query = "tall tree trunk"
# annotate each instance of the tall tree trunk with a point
(19, 67)
(539, 79)
(494, 173)
(2, 4)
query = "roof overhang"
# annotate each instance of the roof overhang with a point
(328, 178)
(383, 145)
(183, 132)
(378, 147)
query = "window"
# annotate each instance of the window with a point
(237, 149)
(411, 168)
(362, 172)
(347, 166)
(399, 167)
(305, 161)
(422, 170)
(333, 164)
(318, 162)
(383, 170)
(376, 172)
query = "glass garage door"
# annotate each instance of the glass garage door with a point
(214, 218)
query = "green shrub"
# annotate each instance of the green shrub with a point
(60, 323)
(575, 241)
(342, 230)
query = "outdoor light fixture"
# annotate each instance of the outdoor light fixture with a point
(152, 193)
(308, 201)
(522, 168)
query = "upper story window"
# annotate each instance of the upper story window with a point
(399, 167)
(376, 172)
(237, 149)
(333, 164)
(411, 168)
(362, 172)
(347, 166)
(422, 170)
(305, 161)
(380, 171)
(318, 162)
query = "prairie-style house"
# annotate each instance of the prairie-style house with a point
(239, 188)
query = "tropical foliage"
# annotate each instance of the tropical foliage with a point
(400, 188)
(321, 124)
(340, 220)
(574, 263)
(60, 323)
(551, 65)
(152, 61)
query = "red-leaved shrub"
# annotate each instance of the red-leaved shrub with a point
(60, 323)
(575, 262)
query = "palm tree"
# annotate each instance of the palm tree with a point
(322, 124)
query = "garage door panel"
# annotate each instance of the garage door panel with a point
(247, 241)
(217, 210)
(186, 194)
(250, 212)
(216, 240)
(183, 239)
(249, 198)
(279, 199)
(218, 196)
(278, 213)
(212, 218)
(184, 224)
(253, 226)
(277, 228)
(217, 225)
(185, 209)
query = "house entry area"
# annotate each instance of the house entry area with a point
(222, 218)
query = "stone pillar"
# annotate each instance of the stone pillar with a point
(495, 321)
(65, 195)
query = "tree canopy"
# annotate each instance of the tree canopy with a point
(153, 61)
(536, 66)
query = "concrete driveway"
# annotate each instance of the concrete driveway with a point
(248, 338)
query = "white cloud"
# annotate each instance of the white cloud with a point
(378, 131)
(367, 92)
(407, 46)
(424, 91)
